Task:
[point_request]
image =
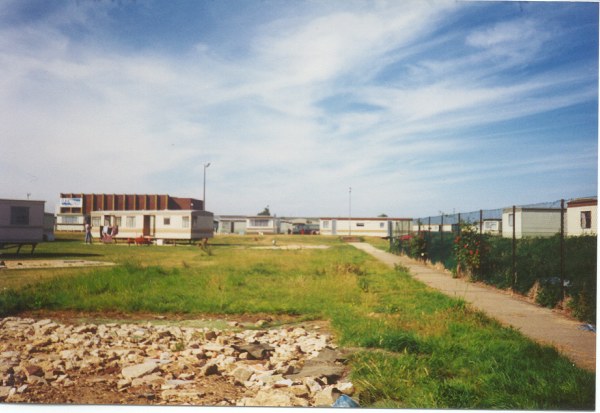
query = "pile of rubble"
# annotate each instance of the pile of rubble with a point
(43, 361)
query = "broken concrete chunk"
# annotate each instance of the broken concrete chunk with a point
(139, 370)
(327, 396)
(242, 374)
(209, 369)
(256, 351)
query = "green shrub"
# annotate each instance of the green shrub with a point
(418, 247)
(467, 251)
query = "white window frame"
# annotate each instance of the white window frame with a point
(586, 219)
(70, 219)
(260, 223)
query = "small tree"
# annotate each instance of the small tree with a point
(265, 212)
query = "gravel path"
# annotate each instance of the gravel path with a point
(540, 324)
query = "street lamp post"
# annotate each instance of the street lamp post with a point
(206, 165)
(350, 211)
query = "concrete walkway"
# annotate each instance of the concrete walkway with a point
(540, 324)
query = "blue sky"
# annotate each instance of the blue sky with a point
(420, 106)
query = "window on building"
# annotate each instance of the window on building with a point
(325, 224)
(118, 221)
(511, 220)
(69, 219)
(185, 222)
(360, 224)
(381, 224)
(130, 222)
(259, 222)
(95, 221)
(194, 221)
(19, 215)
(167, 221)
(586, 219)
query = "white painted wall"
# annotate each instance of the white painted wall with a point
(574, 220)
(271, 225)
(370, 227)
(75, 222)
(531, 223)
(167, 224)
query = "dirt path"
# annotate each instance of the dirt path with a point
(540, 324)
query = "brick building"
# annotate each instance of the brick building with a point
(76, 208)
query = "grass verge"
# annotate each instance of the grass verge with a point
(417, 347)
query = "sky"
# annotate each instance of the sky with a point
(419, 107)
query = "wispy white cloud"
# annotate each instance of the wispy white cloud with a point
(83, 116)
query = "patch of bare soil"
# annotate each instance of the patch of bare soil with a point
(36, 264)
(290, 247)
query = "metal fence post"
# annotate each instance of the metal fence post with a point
(480, 222)
(562, 248)
(480, 238)
(428, 231)
(514, 248)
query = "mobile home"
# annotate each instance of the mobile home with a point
(21, 222)
(373, 227)
(582, 217)
(263, 224)
(156, 224)
(231, 224)
(530, 222)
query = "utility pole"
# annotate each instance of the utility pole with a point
(206, 165)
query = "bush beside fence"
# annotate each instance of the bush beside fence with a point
(537, 264)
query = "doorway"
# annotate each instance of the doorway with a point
(149, 226)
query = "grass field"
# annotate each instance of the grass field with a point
(416, 347)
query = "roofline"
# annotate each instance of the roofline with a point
(144, 211)
(531, 209)
(366, 219)
(582, 202)
(22, 200)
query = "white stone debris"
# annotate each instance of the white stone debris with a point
(171, 364)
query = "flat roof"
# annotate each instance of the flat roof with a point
(33, 201)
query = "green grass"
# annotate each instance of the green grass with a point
(416, 347)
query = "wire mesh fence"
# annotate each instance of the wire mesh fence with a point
(553, 270)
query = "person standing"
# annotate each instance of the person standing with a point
(88, 233)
